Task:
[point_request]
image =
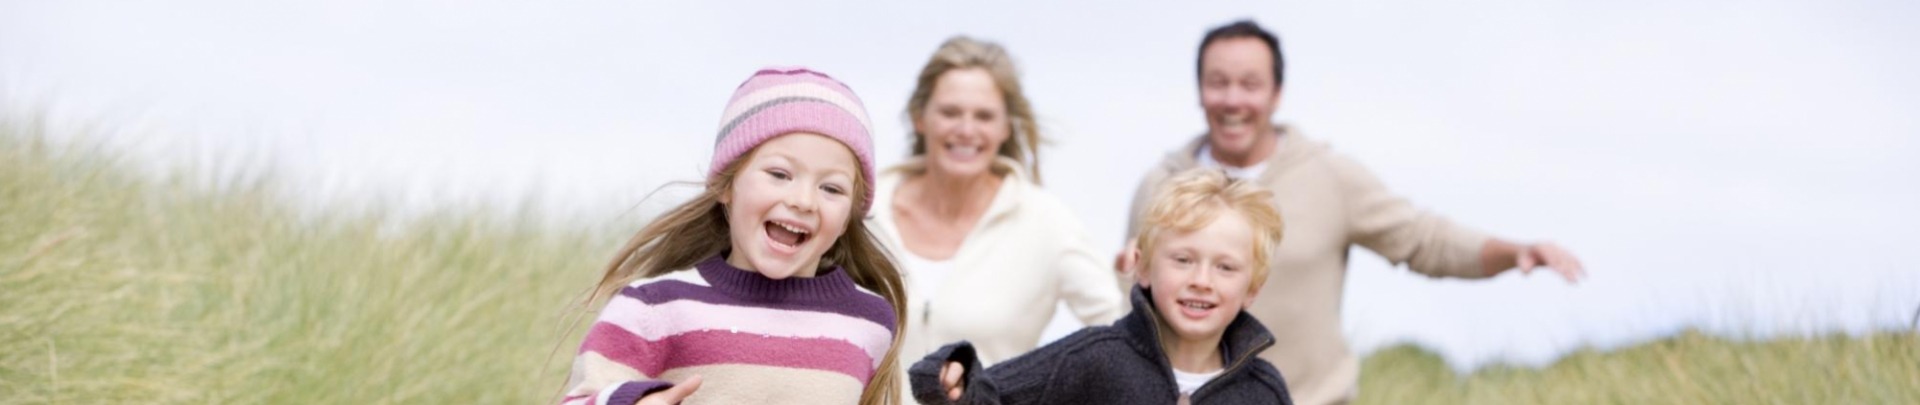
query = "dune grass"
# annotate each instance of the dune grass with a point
(118, 285)
(1688, 368)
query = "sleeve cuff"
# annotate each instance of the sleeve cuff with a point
(925, 374)
(630, 392)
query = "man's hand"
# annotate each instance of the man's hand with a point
(1552, 256)
(1124, 261)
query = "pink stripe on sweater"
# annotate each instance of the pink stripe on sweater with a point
(654, 322)
(699, 348)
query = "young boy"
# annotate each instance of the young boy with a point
(1204, 246)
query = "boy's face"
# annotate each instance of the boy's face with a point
(1200, 280)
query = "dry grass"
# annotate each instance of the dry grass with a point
(1689, 368)
(119, 286)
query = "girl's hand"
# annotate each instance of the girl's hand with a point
(950, 380)
(673, 395)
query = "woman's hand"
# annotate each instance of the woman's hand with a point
(672, 395)
(950, 380)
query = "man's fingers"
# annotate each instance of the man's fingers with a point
(1573, 262)
(1570, 265)
(1562, 262)
(1572, 276)
(1124, 261)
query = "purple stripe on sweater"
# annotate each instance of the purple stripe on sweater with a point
(712, 347)
(864, 306)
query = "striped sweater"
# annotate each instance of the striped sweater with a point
(751, 339)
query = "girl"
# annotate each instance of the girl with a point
(767, 286)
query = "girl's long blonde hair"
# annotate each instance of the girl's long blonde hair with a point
(697, 230)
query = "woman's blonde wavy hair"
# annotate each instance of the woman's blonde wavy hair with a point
(962, 52)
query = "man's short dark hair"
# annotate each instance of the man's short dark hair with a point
(1243, 29)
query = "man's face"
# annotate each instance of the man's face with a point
(1238, 92)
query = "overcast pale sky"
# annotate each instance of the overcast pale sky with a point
(1742, 167)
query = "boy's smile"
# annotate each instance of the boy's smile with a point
(1200, 280)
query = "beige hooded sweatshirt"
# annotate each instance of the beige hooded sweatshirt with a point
(1328, 202)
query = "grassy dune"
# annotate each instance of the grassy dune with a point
(1689, 368)
(122, 286)
(116, 286)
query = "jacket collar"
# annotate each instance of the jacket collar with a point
(1245, 337)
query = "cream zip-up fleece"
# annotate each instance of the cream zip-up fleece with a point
(1329, 203)
(1027, 253)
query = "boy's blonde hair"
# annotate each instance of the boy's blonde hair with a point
(1194, 198)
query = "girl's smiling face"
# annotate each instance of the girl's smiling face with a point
(788, 204)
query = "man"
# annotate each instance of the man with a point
(1330, 203)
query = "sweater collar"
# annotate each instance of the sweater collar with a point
(1245, 337)
(1293, 149)
(830, 283)
(1015, 181)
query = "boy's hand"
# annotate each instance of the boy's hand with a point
(950, 380)
(673, 395)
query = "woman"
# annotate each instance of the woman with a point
(986, 254)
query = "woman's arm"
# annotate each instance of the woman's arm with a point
(1087, 285)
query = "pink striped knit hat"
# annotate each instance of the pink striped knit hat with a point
(783, 100)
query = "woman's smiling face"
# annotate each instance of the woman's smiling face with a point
(964, 124)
